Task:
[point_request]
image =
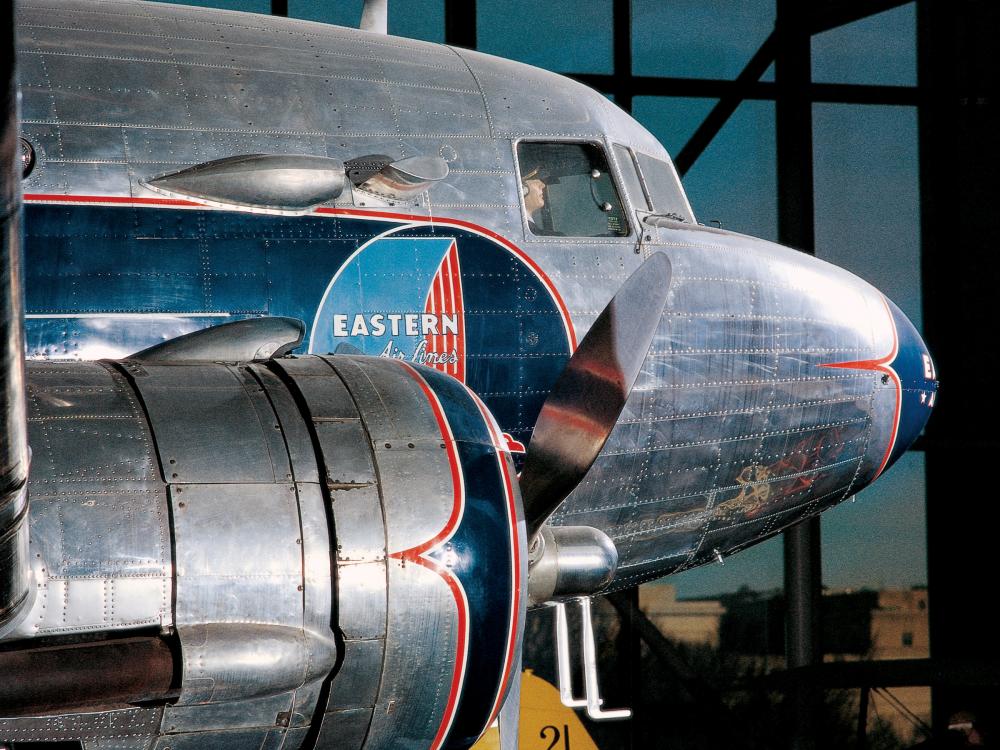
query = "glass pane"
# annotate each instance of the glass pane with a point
(698, 38)
(630, 175)
(664, 188)
(338, 14)
(568, 191)
(734, 180)
(417, 19)
(867, 197)
(880, 540)
(880, 49)
(560, 35)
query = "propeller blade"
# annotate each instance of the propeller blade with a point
(585, 403)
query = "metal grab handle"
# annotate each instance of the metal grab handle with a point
(593, 700)
(562, 660)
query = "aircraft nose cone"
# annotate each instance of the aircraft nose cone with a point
(917, 383)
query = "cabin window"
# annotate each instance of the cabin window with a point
(630, 176)
(664, 188)
(568, 191)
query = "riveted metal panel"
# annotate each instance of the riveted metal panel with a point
(360, 524)
(417, 491)
(421, 609)
(346, 451)
(99, 521)
(344, 730)
(132, 726)
(240, 595)
(229, 535)
(206, 428)
(300, 366)
(293, 427)
(271, 427)
(119, 743)
(316, 559)
(257, 712)
(413, 466)
(87, 88)
(353, 687)
(361, 599)
(233, 739)
(326, 396)
(304, 703)
(391, 403)
(294, 738)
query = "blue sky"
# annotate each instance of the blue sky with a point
(867, 210)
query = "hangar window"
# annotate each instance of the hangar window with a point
(663, 187)
(568, 191)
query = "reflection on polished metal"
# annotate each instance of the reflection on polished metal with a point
(587, 400)
(569, 562)
(15, 578)
(588, 651)
(253, 339)
(280, 182)
(407, 178)
(235, 505)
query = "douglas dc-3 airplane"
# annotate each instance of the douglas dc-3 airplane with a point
(345, 349)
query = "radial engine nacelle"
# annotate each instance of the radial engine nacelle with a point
(213, 489)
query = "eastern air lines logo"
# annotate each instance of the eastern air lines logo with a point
(470, 305)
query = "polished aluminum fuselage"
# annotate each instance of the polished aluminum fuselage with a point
(768, 394)
(114, 93)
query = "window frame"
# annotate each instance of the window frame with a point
(647, 206)
(616, 182)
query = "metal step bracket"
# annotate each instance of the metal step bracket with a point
(588, 650)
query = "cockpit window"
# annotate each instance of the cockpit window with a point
(630, 176)
(664, 188)
(568, 191)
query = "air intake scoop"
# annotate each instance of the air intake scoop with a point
(282, 183)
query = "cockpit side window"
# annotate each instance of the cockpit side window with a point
(568, 191)
(630, 176)
(664, 188)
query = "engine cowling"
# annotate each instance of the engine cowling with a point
(329, 545)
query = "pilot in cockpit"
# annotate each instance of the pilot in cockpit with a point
(534, 188)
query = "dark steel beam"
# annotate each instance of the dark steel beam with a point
(836, 13)
(15, 580)
(622, 56)
(793, 134)
(889, 673)
(725, 107)
(823, 19)
(861, 741)
(713, 88)
(693, 687)
(460, 23)
(959, 157)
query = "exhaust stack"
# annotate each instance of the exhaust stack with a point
(14, 567)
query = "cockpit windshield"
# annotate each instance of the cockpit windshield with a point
(664, 188)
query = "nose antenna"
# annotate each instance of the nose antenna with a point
(375, 17)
